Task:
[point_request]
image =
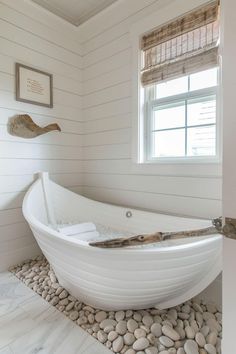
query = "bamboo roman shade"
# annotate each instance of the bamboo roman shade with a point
(184, 46)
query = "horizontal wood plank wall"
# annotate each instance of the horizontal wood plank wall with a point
(33, 37)
(108, 171)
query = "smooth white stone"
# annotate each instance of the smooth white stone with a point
(118, 344)
(181, 351)
(151, 350)
(166, 341)
(121, 327)
(147, 320)
(74, 315)
(102, 336)
(200, 339)
(130, 351)
(211, 338)
(108, 322)
(190, 333)
(210, 349)
(129, 338)
(191, 347)
(132, 325)
(156, 329)
(100, 316)
(112, 336)
(140, 332)
(170, 332)
(140, 344)
(119, 315)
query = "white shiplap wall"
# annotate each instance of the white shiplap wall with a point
(92, 69)
(109, 173)
(33, 37)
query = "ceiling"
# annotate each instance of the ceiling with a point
(75, 11)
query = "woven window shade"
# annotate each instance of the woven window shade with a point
(184, 46)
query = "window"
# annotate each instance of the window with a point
(179, 77)
(181, 116)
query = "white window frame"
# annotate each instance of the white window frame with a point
(176, 167)
(147, 130)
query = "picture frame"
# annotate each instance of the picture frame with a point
(34, 86)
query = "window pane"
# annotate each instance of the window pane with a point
(172, 87)
(201, 110)
(201, 141)
(169, 143)
(207, 78)
(169, 116)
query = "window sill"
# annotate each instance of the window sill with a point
(182, 160)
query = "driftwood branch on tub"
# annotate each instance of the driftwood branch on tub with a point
(152, 238)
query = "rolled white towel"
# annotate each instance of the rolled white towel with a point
(86, 227)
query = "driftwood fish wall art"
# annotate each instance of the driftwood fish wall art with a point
(24, 127)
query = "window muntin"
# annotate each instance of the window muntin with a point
(181, 118)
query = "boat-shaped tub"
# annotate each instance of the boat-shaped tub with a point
(163, 275)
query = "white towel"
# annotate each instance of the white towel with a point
(86, 227)
(87, 236)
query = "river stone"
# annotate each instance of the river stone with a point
(190, 333)
(100, 316)
(118, 344)
(140, 344)
(91, 318)
(191, 347)
(74, 315)
(64, 302)
(172, 351)
(108, 329)
(121, 327)
(130, 351)
(139, 333)
(186, 309)
(164, 352)
(70, 306)
(181, 351)
(183, 315)
(197, 307)
(207, 316)
(112, 336)
(210, 349)
(119, 315)
(54, 300)
(151, 350)
(129, 338)
(213, 325)
(147, 320)
(63, 294)
(108, 322)
(200, 339)
(171, 333)
(132, 325)
(205, 330)
(102, 336)
(211, 308)
(156, 329)
(137, 317)
(211, 338)
(166, 341)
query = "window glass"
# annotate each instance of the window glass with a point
(201, 141)
(172, 87)
(203, 79)
(201, 110)
(169, 143)
(169, 116)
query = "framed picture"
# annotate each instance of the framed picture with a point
(33, 86)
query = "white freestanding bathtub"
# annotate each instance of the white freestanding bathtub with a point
(162, 275)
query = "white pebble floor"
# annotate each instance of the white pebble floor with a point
(194, 327)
